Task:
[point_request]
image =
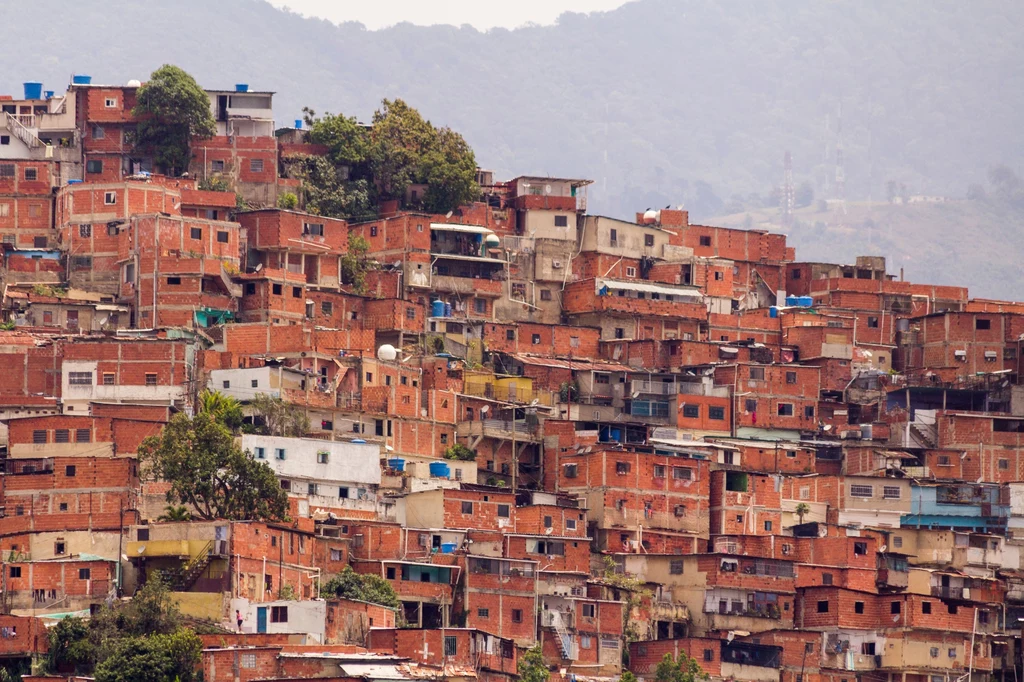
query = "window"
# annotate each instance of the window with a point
(59, 547)
(196, 233)
(675, 567)
(585, 642)
(790, 377)
(561, 221)
(277, 289)
(705, 241)
(823, 606)
(659, 471)
(279, 453)
(313, 229)
(809, 411)
(31, 174)
(785, 409)
(517, 615)
(934, 652)
(467, 508)
(716, 413)
(897, 541)
(894, 607)
(451, 645)
(682, 474)
(648, 240)
(248, 661)
(622, 468)
(255, 165)
(860, 548)
(570, 524)
(891, 492)
(15, 571)
(80, 378)
(39, 436)
(222, 236)
(5, 139)
(173, 281)
(548, 522)
(83, 435)
(691, 411)
(589, 610)
(826, 578)
(94, 166)
(261, 453)
(322, 457)
(254, 383)
(483, 613)
(709, 654)
(150, 378)
(545, 294)
(926, 607)
(84, 573)
(768, 526)
(110, 198)
(504, 511)
(98, 133)
(873, 322)
(570, 470)
(311, 488)
(862, 491)
(110, 102)
(69, 471)
(982, 323)
(951, 608)
(944, 460)
(858, 607)
(61, 436)
(217, 166)
(296, 292)
(757, 373)
(1004, 464)
(278, 614)
(480, 305)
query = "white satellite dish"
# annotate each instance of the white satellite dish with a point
(387, 353)
(826, 427)
(485, 409)
(636, 394)
(259, 266)
(547, 189)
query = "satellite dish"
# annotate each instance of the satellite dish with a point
(883, 548)
(259, 266)
(636, 394)
(547, 189)
(387, 353)
(141, 549)
(389, 448)
(534, 401)
(485, 409)
(448, 214)
(826, 427)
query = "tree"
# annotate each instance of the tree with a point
(802, 510)
(354, 264)
(278, 417)
(460, 452)
(175, 513)
(171, 110)
(400, 138)
(288, 201)
(362, 587)
(223, 408)
(171, 657)
(450, 173)
(326, 193)
(69, 648)
(628, 677)
(683, 669)
(804, 195)
(347, 142)
(532, 667)
(208, 471)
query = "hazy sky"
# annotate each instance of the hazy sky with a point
(482, 14)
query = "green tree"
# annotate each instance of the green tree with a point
(326, 193)
(532, 667)
(279, 418)
(450, 173)
(802, 510)
(171, 657)
(363, 587)
(69, 647)
(628, 677)
(347, 142)
(354, 264)
(171, 110)
(400, 138)
(175, 513)
(460, 452)
(223, 408)
(683, 669)
(288, 201)
(208, 471)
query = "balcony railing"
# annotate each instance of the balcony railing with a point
(654, 387)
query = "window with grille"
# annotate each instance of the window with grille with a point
(151, 379)
(278, 614)
(248, 661)
(39, 436)
(83, 435)
(451, 645)
(61, 436)
(255, 165)
(862, 491)
(891, 492)
(80, 378)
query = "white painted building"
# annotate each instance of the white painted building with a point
(82, 384)
(283, 617)
(245, 384)
(334, 474)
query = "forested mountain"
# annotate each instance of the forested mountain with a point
(660, 101)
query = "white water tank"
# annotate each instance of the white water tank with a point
(387, 353)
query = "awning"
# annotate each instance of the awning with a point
(453, 227)
(647, 287)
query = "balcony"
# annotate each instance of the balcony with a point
(654, 387)
(503, 429)
(467, 286)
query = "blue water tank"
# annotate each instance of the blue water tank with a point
(792, 300)
(448, 547)
(396, 463)
(773, 312)
(358, 440)
(617, 435)
(81, 79)
(241, 87)
(437, 309)
(74, 182)
(48, 94)
(439, 470)
(806, 301)
(33, 90)
(298, 124)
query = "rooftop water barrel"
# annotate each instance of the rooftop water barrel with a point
(48, 94)
(773, 312)
(298, 124)
(806, 301)
(792, 300)
(437, 309)
(439, 470)
(396, 463)
(33, 90)
(241, 87)
(81, 79)
(448, 547)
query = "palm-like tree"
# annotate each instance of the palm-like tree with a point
(171, 513)
(222, 408)
(802, 510)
